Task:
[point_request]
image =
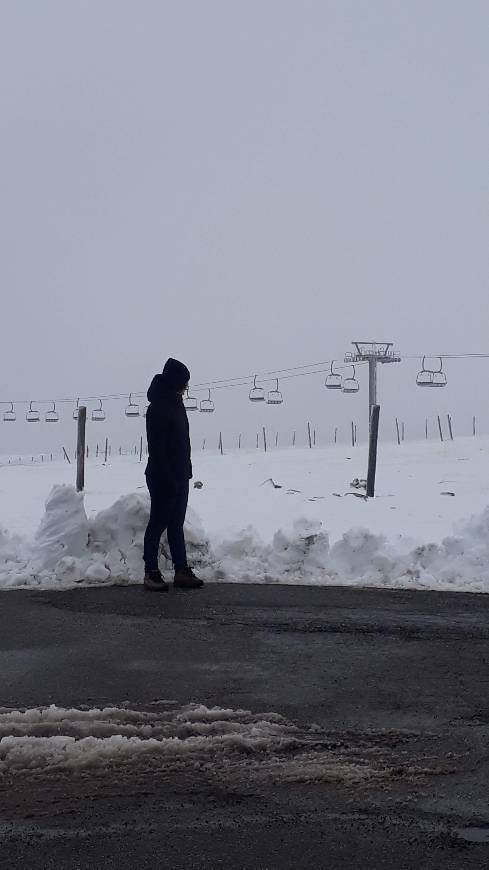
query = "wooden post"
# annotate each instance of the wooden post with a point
(402, 431)
(96, 452)
(336, 435)
(314, 437)
(439, 428)
(426, 428)
(450, 430)
(264, 440)
(398, 432)
(356, 433)
(293, 439)
(66, 457)
(141, 449)
(276, 440)
(220, 444)
(309, 435)
(473, 426)
(352, 434)
(203, 444)
(80, 448)
(257, 439)
(106, 449)
(239, 442)
(372, 450)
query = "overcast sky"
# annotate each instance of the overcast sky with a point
(247, 186)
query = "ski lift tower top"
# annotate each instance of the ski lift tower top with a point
(372, 352)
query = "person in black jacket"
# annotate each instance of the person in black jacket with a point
(168, 472)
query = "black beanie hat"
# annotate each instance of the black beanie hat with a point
(175, 374)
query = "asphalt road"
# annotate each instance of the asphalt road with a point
(392, 685)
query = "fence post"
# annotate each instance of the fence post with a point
(276, 440)
(220, 443)
(264, 440)
(293, 439)
(80, 449)
(372, 450)
(352, 434)
(473, 426)
(106, 448)
(426, 428)
(239, 443)
(402, 431)
(309, 435)
(450, 430)
(336, 434)
(439, 428)
(398, 432)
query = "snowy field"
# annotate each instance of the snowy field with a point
(428, 527)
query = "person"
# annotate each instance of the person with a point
(168, 472)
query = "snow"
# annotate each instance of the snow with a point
(234, 744)
(288, 516)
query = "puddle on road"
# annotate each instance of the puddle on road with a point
(473, 835)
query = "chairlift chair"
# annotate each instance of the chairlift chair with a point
(207, 405)
(33, 415)
(10, 416)
(190, 402)
(75, 412)
(257, 394)
(334, 381)
(98, 414)
(132, 410)
(431, 377)
(51, 416)
(350, 385)
(275, 396)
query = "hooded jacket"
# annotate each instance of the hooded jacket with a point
(167, 429)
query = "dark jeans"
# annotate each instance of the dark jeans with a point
(167, 512)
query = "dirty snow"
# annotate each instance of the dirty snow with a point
(305, 527)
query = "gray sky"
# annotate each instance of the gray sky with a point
(246, 186)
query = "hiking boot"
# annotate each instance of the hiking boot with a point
(186, 579)
(154, 581)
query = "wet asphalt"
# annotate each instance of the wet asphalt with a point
(391, 675)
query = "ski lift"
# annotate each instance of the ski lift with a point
(132, 410)
(75, 412)
(52, 416)
(431, 377)
(98, 414)
(32, 416)
(350, 385)
(334, 381)
(190, 402)
(207, 405)
(257, 394)
(9, 416)
(275, 396)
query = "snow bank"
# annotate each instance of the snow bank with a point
(69, 548)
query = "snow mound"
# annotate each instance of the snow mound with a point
(69, 549)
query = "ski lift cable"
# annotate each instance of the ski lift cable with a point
(228, 383)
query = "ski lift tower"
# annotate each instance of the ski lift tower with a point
(373, 352)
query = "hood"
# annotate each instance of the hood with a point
(175, 374)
